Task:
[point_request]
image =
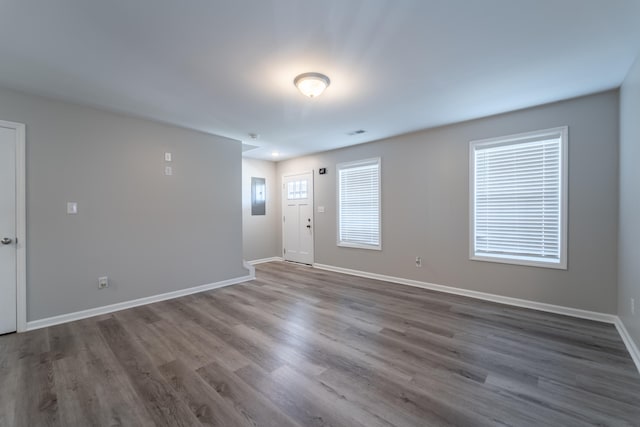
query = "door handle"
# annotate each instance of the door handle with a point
(308, 226)
(6, 241)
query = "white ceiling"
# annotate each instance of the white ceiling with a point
(227, 67)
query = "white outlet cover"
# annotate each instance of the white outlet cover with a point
(103, 282)
(168, 171)
(72, 208)
(320, 209)
(167, 157)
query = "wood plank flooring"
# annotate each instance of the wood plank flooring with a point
(305, 347)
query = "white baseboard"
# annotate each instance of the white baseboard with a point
(251, 268)
(263, 260)
(517, 302)
(551, 308)
(628, 341)
(70, 317)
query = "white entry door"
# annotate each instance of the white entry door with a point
(8, 254)
(297, 217)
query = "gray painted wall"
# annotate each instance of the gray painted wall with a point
(260, 233)
(148, 232)
(425, 206)
(629, 237)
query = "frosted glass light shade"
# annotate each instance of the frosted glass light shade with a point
(311, 84)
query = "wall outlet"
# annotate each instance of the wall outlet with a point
(418, 261)
(103, 282)
(72, 208)
(633, 306)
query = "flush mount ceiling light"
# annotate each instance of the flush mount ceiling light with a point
(311, 84)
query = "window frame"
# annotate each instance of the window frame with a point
(561, 132)
(347, 165)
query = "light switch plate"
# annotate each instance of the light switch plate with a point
(167, 157)
(320, 209)
(168, 171)
(72, 208)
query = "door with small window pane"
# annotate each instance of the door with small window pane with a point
(297, 217)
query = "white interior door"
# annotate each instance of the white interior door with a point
(8, 254)
(297, 217)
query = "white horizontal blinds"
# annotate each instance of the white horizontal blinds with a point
(518, 200)
(359, 203)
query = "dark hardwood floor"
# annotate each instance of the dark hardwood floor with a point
(304, 347)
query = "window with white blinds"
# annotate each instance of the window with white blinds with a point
(519, 199)
(359, 204)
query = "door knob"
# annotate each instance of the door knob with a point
(6, 241)
(308, 226)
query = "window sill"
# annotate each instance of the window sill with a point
(519, 261)
(359, 246)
